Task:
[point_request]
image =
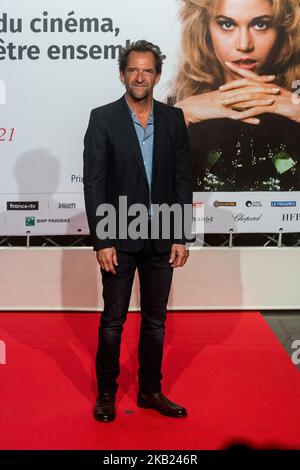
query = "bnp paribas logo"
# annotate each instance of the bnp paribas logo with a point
(29, 221)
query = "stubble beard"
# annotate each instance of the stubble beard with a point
(137, 97)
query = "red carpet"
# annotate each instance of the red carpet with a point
(228, 369)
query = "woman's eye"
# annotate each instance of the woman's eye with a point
(261, 26)
(226, 25)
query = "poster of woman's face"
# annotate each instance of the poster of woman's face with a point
(236, 85)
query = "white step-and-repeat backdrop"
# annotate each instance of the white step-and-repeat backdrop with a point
(58, 60)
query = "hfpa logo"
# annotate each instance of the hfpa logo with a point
(2, 352)
(2, 92)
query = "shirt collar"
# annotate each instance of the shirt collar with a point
(133, 115)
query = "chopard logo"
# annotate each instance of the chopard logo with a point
(241, 217)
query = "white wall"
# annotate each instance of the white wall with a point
(214, 278)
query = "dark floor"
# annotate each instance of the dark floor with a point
(286, 326)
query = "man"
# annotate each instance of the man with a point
(136, 147)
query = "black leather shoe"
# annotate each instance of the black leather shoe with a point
(105, 408)
(157, 401)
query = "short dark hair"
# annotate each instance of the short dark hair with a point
(141, 46)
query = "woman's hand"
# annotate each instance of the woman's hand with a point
(242, 99)
(248, 97)
(210, 105)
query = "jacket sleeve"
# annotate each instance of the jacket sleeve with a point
(95, 157)
(183, 179)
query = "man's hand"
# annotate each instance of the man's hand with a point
(107, 258)
(179, 255)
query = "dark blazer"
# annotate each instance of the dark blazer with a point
(113, 167)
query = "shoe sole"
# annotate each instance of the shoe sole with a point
(102, 420)
(142, 405)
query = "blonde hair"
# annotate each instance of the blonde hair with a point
(200, 71)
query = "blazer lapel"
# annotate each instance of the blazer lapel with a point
(158, 137)
(127, 126)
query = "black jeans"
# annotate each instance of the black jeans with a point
(155, 275)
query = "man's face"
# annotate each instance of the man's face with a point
(140, 75)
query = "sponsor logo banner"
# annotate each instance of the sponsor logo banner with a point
(22, 205)
(283, 203)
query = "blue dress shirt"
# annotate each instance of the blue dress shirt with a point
(146, 139)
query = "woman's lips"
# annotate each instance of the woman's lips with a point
(246, 63)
